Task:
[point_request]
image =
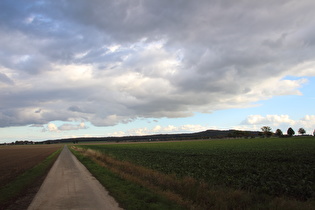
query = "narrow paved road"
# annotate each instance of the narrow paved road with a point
(69, 185)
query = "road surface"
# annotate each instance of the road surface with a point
(69, 185)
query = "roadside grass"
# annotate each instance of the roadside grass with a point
(14, 189)
(218, 174)
(128, 194)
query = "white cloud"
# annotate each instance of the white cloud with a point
(166, 129)
(169, 129)
(304, 69)
(52, 127)
(118, 133)
(255, 122)
(307, 122)
(268, 119)
(67, 127)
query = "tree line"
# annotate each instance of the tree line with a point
(267, 132)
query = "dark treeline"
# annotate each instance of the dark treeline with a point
(209, 134)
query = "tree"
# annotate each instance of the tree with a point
(266, 131)
(290, 132)
(279, 132)
(302, 131)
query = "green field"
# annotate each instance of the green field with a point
(275, 167)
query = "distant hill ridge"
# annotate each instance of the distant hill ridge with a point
(165, 137)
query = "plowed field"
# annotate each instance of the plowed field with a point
(15, 159)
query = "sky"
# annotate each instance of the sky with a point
(118, 68)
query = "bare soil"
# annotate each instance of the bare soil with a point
(16, 159)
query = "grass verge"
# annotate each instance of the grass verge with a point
(14, 189)
(129, 195)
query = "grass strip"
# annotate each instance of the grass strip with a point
(129, 195)
(15, 188)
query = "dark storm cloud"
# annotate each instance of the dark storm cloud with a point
(114, 61)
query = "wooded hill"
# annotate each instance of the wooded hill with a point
(208, 134)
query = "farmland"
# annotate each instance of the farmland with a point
(14, 160)
(21, 166)
(267, 168)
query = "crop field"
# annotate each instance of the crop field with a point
(274, 167)
(22, 169)
(15, 159)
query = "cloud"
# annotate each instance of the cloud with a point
(255, 122)
(38, 111)
(110, 62)
(268, 119)
(67, 127)
(158, 129)
(5, 79)
(52, 127)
